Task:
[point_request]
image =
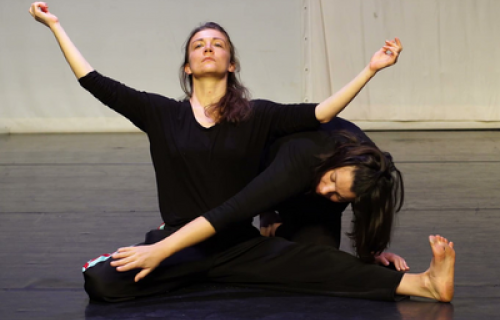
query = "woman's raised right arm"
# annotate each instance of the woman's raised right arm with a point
(78, 64)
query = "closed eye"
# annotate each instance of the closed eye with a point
(332, 177)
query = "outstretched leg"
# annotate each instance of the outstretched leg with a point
(438, 281)
(277, 264)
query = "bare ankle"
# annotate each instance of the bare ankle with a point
(426, 285)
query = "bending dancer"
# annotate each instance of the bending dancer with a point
(312, 219)
(202, 158)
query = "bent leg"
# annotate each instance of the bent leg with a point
(103, 282)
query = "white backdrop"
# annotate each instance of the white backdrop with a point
(291, 50)
(448, 75)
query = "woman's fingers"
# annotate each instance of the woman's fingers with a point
(392, 50)
(405, 265)
(397, 264)
(398, 42)
(125, 264)
(126, 249)
(120, 262)
(142, 274)
(401, 265)
(390, 43)
(126, 267)
(42, 6)
(123, 252)
(32, 10)
(124, 258)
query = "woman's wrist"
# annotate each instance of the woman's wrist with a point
(369, 71)
(165, 248)
(55, 27)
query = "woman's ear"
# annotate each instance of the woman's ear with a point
(187, 69)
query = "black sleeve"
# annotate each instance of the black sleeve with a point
(127, 101)
(288, 175)
(288, 118)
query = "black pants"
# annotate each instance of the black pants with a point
(250, 261)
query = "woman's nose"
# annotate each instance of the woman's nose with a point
(328, 188)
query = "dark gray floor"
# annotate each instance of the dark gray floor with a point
(67, 198)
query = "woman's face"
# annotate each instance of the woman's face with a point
(209, 54)
(336, 184)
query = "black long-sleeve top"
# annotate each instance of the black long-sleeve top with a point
(199, 168)
(287, 183)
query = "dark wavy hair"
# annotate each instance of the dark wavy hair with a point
(378, 186)
(234, 106)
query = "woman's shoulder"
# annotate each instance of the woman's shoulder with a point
(162, 99)
(262, 103)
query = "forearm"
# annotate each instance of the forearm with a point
(76, 61)
(332, 106)
(192, 233)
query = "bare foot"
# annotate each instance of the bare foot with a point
(439, 278)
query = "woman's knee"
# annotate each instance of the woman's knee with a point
(104, 283)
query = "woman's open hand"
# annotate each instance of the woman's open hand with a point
(146, 257)
(385, 258)
(40, 11)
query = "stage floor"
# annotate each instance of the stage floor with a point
(67, 198)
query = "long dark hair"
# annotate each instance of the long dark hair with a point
(378, 186)
(234, 106)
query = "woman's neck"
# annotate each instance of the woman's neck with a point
(207, 92)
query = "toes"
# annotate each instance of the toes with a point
(441, 239)
(438, 238)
